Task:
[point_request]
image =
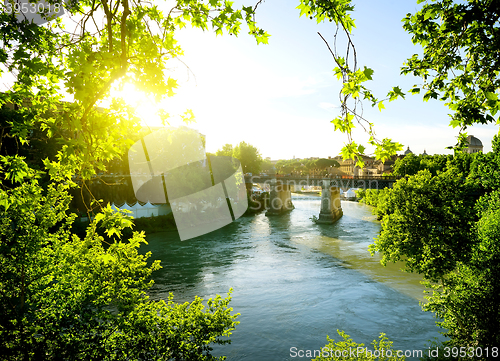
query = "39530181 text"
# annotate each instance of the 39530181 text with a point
(488, 352)
(40, 7)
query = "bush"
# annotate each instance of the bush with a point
(347, 349)
(63, 297)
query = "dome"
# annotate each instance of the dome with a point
(408, 151)
(472, 140)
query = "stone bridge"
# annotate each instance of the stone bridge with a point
(280, 200)
(281, 188)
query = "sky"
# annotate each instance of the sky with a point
(281, 97)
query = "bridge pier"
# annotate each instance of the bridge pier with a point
(331, 209)
(280, 199)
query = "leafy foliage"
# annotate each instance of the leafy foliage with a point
(347, 349)
(227, 151)
(72, 298)
(445, 227)
(427, 222)
(459, 65)
(468, 300)
(323, 163)
(411, 164)
(247, 154)
(353, 91)
(62, 296)
(304, 166)
(266, 165)
(249, 157)
(374, 197)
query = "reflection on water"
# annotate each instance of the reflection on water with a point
(295, 282)
(349, 241)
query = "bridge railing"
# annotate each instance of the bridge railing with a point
(343, 182)
(305, 177)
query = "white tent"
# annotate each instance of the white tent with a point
(350, 194)
(146, 210)
(125, 206)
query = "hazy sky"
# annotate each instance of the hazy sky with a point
(282, 96)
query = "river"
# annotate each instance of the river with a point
(296, 282)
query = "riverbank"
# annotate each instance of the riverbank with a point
(149, 225)
(166, 223)
(314, 193)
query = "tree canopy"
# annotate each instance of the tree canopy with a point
(247, 154)
(411, 164)
(323, 163)
(444, 226)
(459, 64)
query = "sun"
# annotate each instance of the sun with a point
(145, 108)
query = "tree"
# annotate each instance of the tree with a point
(469, 304)
(64, 297)
(227, 150)
(281, 166)
(445, 227)
(249, 157)
(459, 64)
(324, 163)
(428, 222)
(266, 165)
(411, 164)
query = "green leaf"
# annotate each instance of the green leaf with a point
(491, 96)
(368, 73)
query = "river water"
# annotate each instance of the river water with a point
(296, 282)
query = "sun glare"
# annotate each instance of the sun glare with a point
(145, 108)
(148, 110)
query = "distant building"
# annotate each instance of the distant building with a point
(475, 145)
(386, 167)
(408, 151)
(349, 167)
